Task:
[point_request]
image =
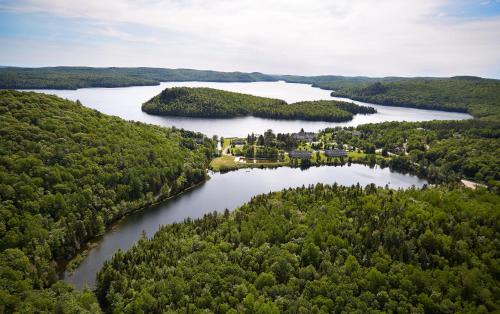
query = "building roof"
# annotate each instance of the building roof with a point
(238, 141)
(300, 154)
(306, 136)
(335, 153)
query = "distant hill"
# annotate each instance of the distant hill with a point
(81, 77)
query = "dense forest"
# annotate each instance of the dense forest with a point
(66, 173)
(320, 249)
(80, 77)
(214, 103)
(441, 151)
(477, 96)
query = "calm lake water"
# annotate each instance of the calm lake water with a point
(126, 103)
(222, 191)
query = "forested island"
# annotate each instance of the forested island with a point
(214, 103)
(68, 172)
(321, 249)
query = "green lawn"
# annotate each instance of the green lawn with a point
(224, 163)
(227, 142)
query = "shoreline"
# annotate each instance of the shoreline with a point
(61, 266)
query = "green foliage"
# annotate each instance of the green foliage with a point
(80, 77)
(18, 276)
(319, 249)
(67, 172)
(442, 151)
(477, 96)
(213, 103)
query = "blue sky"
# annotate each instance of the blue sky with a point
(363, 37)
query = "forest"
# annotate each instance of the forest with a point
(477, 96)
(319, 249)
(213, 103)
(68, 172)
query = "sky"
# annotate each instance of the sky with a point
(307, 37)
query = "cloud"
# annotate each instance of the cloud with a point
(364, 37)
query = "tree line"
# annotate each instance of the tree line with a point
(82, 77)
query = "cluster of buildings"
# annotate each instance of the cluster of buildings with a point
(300, 154)
(304, 154)
(335, 153)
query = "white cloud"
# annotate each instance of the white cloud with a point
(364, 37)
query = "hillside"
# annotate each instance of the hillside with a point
(68, 172)
(213, 103)
(320, 249)
(477, 96)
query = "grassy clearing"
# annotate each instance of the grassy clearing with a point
(225, 163)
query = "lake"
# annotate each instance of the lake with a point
(222, 191)
(126, 103)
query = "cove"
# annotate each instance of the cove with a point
(222, 191)
(126, 103)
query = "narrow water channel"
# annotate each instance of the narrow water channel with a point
(222, 191)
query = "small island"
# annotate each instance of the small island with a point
(214, 103)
